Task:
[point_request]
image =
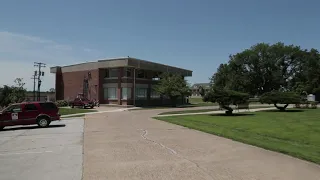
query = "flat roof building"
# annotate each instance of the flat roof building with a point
(122, 81)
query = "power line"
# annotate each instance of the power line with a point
(39, 65)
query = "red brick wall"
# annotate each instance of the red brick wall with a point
(59, 85)
(73, 84)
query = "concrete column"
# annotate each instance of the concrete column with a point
(120, 74)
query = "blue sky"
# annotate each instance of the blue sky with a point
(196, 35)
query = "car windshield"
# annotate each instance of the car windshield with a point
(14, 107)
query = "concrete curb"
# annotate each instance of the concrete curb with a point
(98, 112)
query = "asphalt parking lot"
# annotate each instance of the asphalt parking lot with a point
(29, 152)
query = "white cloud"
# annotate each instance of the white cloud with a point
(18, 53)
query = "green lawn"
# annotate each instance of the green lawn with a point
(189, 111)
(296, 133)
(198, 102)
(203, 110)
(67, 111)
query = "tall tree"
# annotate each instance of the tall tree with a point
(172, 86)
(263, 68)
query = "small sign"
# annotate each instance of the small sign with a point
(14, 116)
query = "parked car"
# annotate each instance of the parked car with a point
(82, 102)
(28, 113)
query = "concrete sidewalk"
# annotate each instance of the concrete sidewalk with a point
(97, 112)
(132, 145)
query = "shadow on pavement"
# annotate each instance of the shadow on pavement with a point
(31, 127)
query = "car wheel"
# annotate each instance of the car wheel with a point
(43, 122)
(1, 127)
(72, 106)
(83, 106)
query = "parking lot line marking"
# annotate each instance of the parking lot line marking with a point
(8, 154)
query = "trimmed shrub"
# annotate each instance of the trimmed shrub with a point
(62, 103)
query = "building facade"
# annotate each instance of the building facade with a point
(121, 81)
(196, 91)
(44, 96)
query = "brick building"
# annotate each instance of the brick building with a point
(113, 81)
(196, 91)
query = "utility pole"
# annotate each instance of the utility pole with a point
(34, 77)
(39, 65)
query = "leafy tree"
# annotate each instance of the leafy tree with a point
(13, 94)
(263, 68)
(201, 91)
(172, 86)
(278, 97)
(52, 90)
(18, 91)
(5, 96)
(225, 98)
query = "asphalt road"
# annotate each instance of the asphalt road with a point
(132, 145)
(29, 152)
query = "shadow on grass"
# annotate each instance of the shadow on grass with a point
(167, 106)
(235, 114)
(31, 127)
(286, 111)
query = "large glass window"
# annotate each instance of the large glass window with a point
(141, 93)
(105, 93)
(112, 93)
(154, 94)
(126, 93)
(112, 73)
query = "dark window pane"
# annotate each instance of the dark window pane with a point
(141, 74)
(48, 105)
(30, 107)
(112, 73)
(128, 72)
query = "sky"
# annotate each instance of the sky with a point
(197, 35)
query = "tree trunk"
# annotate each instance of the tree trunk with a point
(281, 108)
(228, 108)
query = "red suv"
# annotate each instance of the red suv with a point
(82, 102)
(27, 113)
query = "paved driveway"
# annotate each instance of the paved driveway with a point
(39, 154)
(132, 145)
